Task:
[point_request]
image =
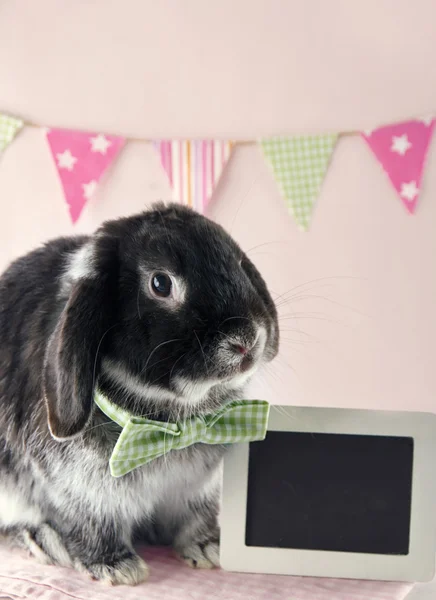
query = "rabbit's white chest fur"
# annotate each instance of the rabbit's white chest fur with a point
(166, 487)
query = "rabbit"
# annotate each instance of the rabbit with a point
(165, 315)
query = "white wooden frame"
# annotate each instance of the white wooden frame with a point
(418, 565)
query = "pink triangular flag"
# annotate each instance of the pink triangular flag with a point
(193, 168)
(81, 159)
(402, 149)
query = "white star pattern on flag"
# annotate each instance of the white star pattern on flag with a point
(400, 144)
(89, 189)
(426, 120)
(100, 143)
(66, 160)
(409, 191)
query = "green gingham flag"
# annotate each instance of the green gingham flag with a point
(9, 127)
(143, 440)
(299, 165)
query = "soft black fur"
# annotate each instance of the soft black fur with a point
(78, 313)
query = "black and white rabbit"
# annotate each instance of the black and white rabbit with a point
(167, 316)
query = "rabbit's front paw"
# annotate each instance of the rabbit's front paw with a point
(44, 544)
(201, 555)
(128, 570)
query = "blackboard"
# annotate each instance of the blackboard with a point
(336, 492)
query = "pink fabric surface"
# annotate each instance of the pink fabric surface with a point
(402, 150)
(81, 159)
(22, 577)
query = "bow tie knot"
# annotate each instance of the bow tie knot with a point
(142, 440)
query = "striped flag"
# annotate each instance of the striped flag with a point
(193, 168)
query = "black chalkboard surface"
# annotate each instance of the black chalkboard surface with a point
(337, 492)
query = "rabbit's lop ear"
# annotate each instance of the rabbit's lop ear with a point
(73, 354)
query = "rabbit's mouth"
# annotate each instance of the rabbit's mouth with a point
(234, 362)
(247, 362)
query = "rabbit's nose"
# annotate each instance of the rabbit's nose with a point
(243, 345)
(240, 349)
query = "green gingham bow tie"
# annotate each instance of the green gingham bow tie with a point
(143, 440)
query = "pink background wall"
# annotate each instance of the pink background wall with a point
(359, 328)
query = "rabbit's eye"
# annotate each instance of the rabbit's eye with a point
(161, 284)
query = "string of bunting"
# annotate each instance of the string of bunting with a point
(194, 167)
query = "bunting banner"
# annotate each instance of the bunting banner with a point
(81, 159)
(9, 127)
(193, 168)
(401, 150)
(299, 165)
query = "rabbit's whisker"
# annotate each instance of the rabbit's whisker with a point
(157, 348)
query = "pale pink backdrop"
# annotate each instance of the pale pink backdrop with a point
(362, 282)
